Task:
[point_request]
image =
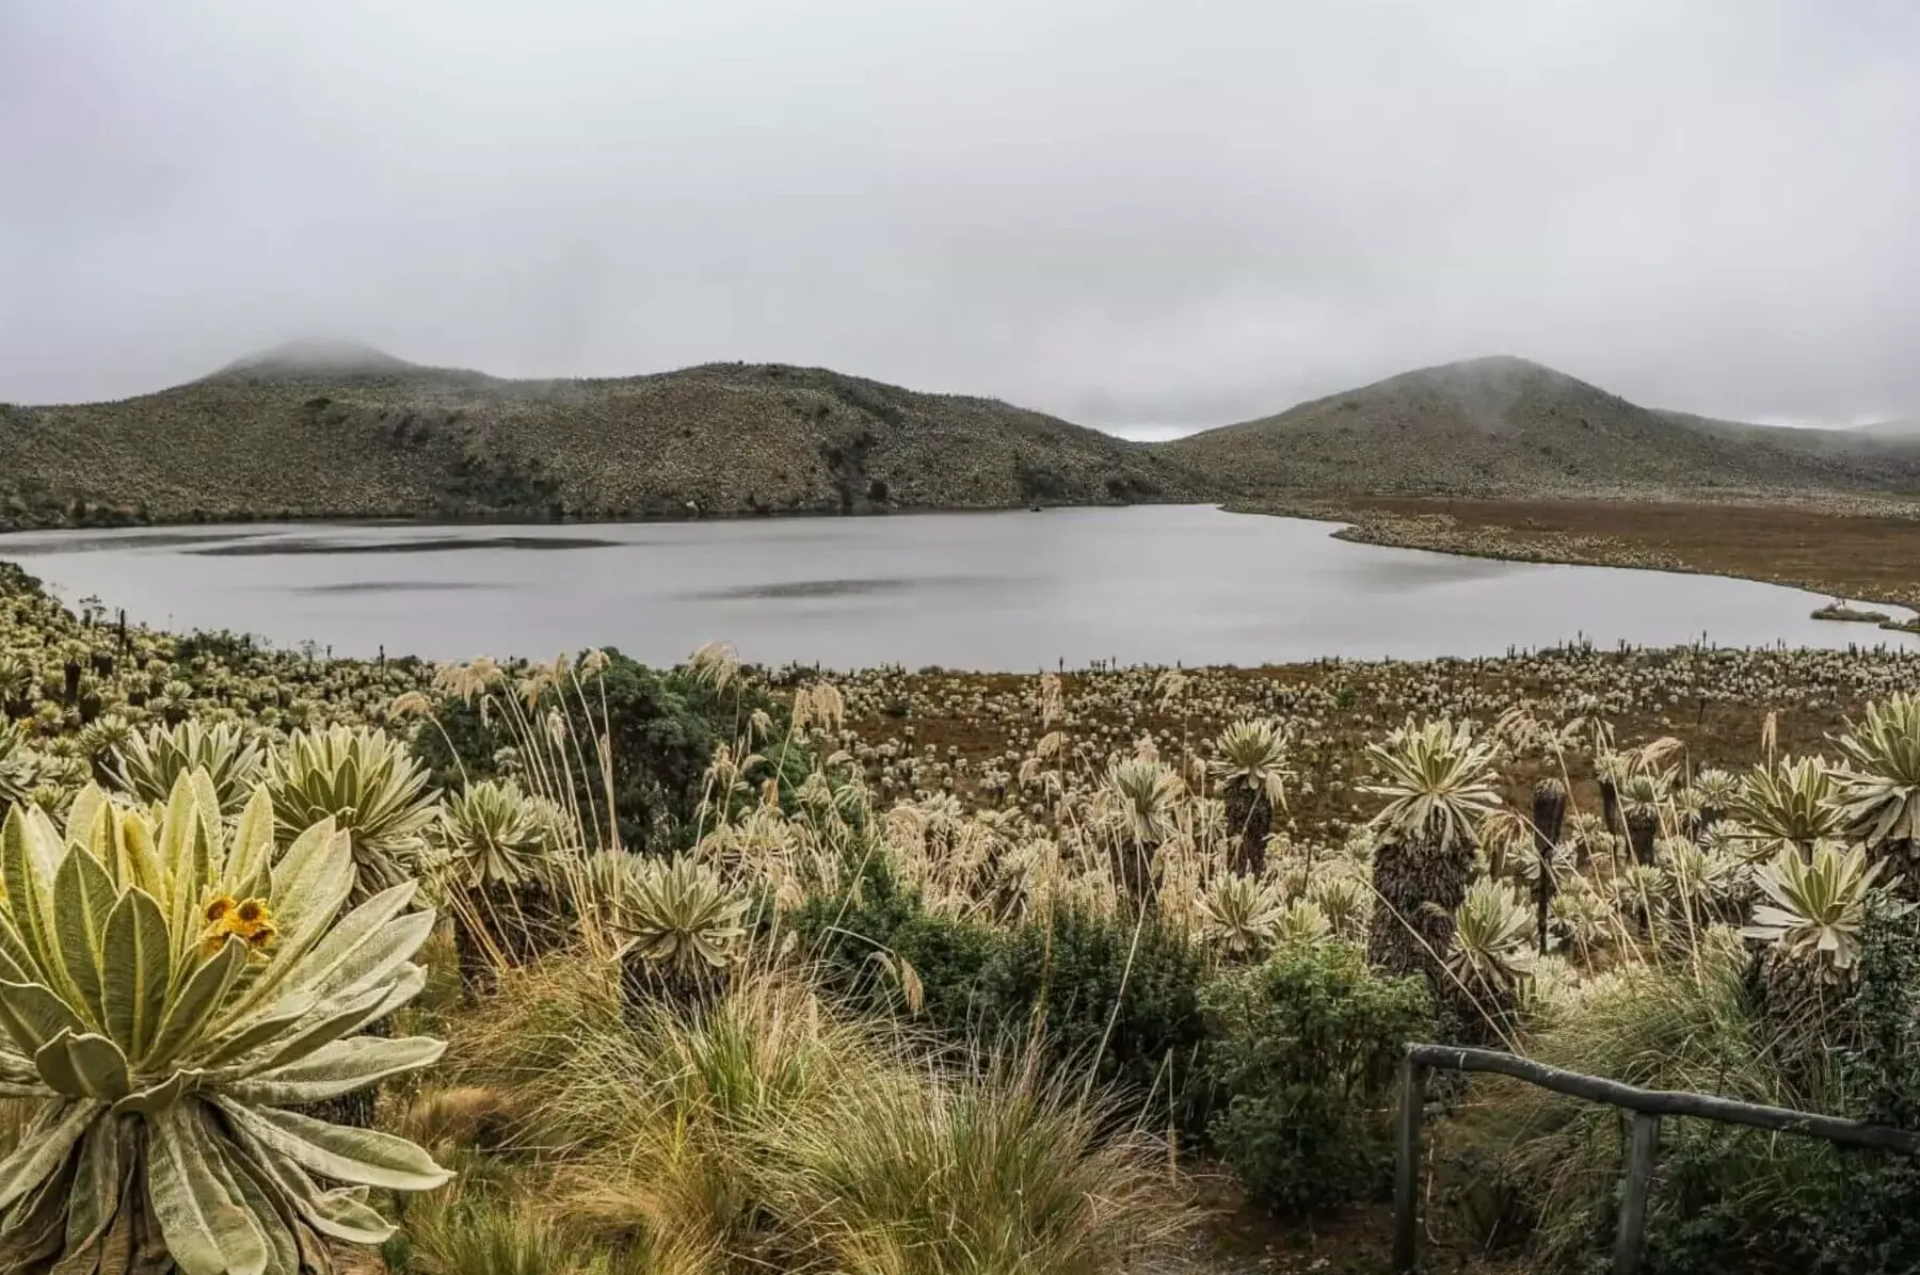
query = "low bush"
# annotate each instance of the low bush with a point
(1303, 1059)
(1107, 994)
(1113, 994)
(661, 729)
(1868, 1222)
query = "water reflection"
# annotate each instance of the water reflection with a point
(1014, 591)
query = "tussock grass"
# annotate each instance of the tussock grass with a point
(771, 1132)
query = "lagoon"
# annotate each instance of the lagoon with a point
(1014, 592)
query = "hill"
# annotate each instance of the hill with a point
(1906, 428)
(333, 429)
(1508, 427)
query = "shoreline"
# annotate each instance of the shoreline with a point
(1593, 531)
(1431, 524)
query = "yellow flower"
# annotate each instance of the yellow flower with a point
(248, 920)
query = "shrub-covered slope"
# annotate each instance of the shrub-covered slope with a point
(1507, 427)
(334, 434)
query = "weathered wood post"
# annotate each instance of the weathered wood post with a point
(1406, 1172)
(1627, 1242)
(1648, 1107)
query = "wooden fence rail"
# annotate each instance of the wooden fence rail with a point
(1648, 1107)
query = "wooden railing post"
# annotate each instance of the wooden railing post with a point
(1406, 1173)
(1630, 1238)
(1648, 1107)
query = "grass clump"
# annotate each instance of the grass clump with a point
(772, 1131)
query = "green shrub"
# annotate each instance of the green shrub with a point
(1129, 1010)
(662, 728)
(1304, 1056)
(1869, 1221)
(948, 955)
(1078, 985)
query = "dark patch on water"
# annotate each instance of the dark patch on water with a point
(869, 587)
(392, 586)
(142, 540)
(451, 544)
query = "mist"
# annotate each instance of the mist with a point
(1145, 217)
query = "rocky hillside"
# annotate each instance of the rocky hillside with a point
(1507, 427)
(322, 429)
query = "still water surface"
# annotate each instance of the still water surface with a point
(1011, 591)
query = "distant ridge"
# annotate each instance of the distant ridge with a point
(1506, 426)
(326, 428)
(1904, 428)
(331, 428)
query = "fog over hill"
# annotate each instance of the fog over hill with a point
(319, 428)
(1507, 426)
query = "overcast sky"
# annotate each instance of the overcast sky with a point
(1129, 212)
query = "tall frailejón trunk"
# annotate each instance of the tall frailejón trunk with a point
(1133, 867)
(1549, 820)
(1643, 829)
(1250, 818)
(1417, 886)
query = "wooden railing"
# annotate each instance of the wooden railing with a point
(1648, 1107)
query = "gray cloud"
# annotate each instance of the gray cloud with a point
(1129, 212)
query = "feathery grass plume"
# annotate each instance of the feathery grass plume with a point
(172, 992)
(369, 785)
(1053, 699)
(146, 766)
(716, 664)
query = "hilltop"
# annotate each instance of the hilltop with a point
(337, 429)
(1508, 427)
(1905, 428)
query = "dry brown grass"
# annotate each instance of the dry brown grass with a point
(1864, 551)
